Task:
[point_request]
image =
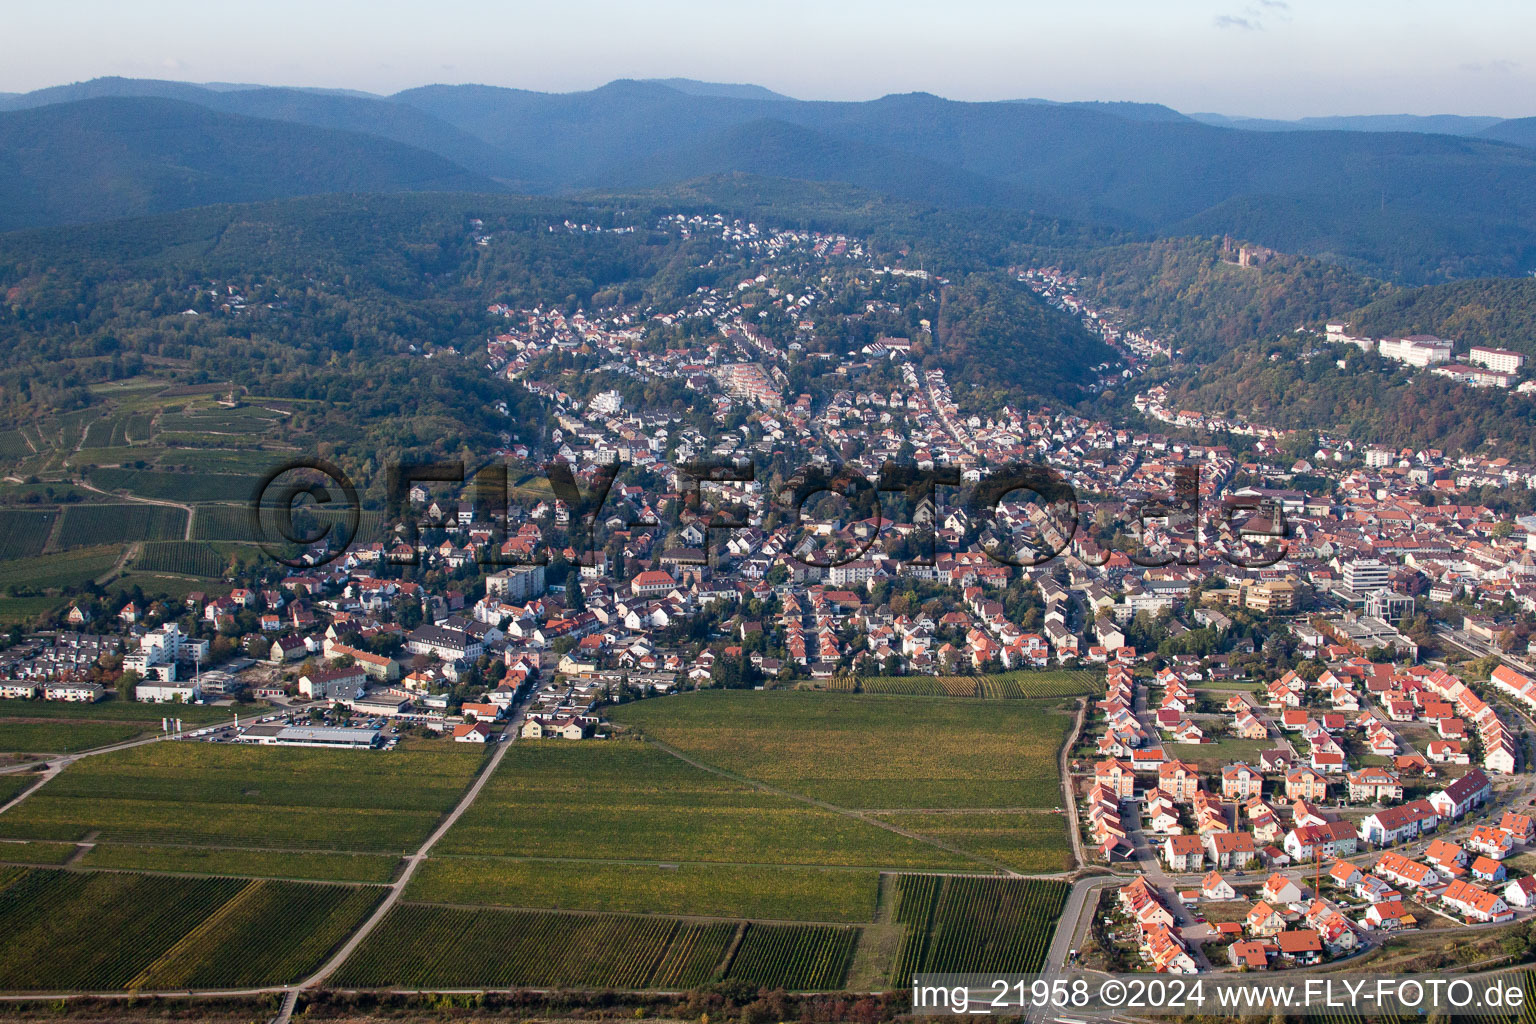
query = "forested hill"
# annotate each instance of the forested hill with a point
(1296, 380)
(1298, 384)
(113, 157)
(1190, 291)
(1488, 311)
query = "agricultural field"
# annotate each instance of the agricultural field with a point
(70, 930)
(114, 709)
(111, 431)
(242, 422)
(794, 957)
(23, 532)
(200, 794)
(13, 783)
(639, 803)
(13, 445)
(270, 933)
(1034, 842)
(1021, 684)
(713, 890)
(186, 557)
(27, 610)
(233, 523)
(319, 867)
(869, 751)
(422, 946)
(1030, 684)
(223, 522)
(975, 923)
(86, 525)
(43, 854)
(62, 737)
(186, 488)
(64, 569)
(911, 686)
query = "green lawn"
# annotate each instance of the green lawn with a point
(892, 752)
(1226, 750)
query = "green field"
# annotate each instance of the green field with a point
(1226, 750)
(200, 794)
(187, 557)
(869, 751)
(69, 930)
(233, 523)
(13, 445)
(26, 610)
(794, 957)
(421, 946)
(36, 853)
(1034, 842)
(630, 801)
(23, 532)
(974, 924)
(86, 525)
(185, 488)
(64, 569)
(1020, 684)
(62, 737)
(713, 890)
(116, 710)
(12, 784)
(319, 867)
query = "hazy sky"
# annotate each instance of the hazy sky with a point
(1279, 58)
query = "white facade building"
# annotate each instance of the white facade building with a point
(1416, 350)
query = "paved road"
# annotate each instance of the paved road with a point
(1074, 826)
(1076, 917)
(503, 744)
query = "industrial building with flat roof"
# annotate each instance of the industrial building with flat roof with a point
(277, 734)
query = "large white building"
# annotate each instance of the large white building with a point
(519, 583)
(184, 692)
(1416, 350)
(158, 653)
(1366, 575)
(608, 403)
(1500, 359)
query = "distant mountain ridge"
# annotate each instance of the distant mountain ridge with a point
(1433, 124)
(1409, 205)
(694, 87)
(113, 157)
